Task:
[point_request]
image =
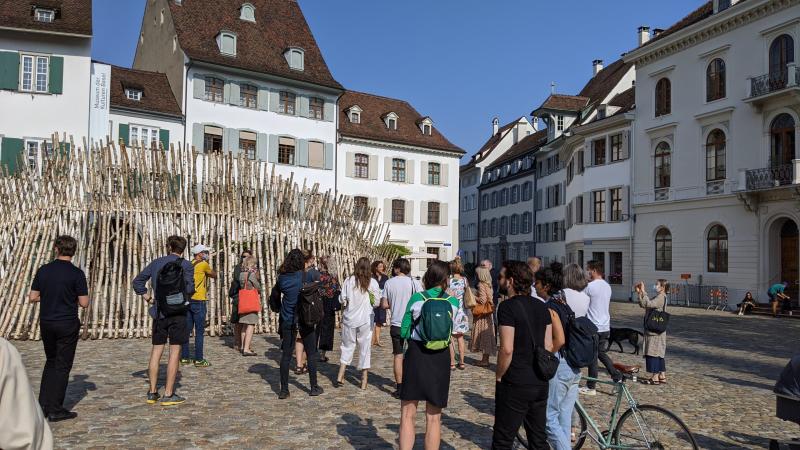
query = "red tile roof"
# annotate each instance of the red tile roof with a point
(704, 11)
(527, 144)
(562, 102)
(373, 127)
(279, 25)
(490, 144)
(72, 16)
(157, 95)
(625, 100)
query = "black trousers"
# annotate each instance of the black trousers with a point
(605, 359)
(60, 340)
(515, 406)
(309, 337)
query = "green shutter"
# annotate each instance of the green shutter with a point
(63, 148)
(9, 70)
(123, 133)
(12, 149)
(56, 74)
(163, 136)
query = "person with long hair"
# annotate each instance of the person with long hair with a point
(456, 287)
(426, 376)
(360, 293)
(747, 304)
(287, 293)
(655, 344)
(248, 279)
(378, 269)
(233, 293)
(329, 291)
(483, 332)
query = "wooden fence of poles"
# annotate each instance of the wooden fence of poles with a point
(121, 203)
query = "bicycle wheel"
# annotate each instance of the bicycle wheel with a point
(579, 432)
(652, 427)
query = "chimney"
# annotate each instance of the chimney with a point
(597, 65)
(644, 35)
(535, 123)
(657, 31)
(495, 126)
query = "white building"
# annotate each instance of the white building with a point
(252, 81)
(716, 161)
(45, 59)
(393, 158)
(501, 140)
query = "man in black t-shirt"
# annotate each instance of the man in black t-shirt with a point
(520, 394)
(59, 287)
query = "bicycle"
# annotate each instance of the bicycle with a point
(637, 428)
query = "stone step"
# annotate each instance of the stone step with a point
(767, 311)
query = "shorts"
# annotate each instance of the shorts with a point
(170, 328)
(397, 341)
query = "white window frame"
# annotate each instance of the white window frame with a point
(427, 129)
(560, 122)
(34, 73)
(153, 135)
(296, 58)
(221, 41)
(43, 149)
(44, 15)
(251, 17)
(133, 94)
(355, 117)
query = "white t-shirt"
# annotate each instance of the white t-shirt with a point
(577, 301)
(599, 293)
(358, 310)
(398, 291)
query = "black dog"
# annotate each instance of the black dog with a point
(618, 335)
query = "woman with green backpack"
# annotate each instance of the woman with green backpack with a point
(427, 326)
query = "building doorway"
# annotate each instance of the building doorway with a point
(789, 257)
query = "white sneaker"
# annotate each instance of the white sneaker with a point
(586, 391)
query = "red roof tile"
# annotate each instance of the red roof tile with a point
(704, 11)
(490, 144)
(527, 144)
(625, 100)
(72, 16)
(157, 95)
(564, 102)
(373, 127)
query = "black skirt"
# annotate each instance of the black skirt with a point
(326, 328)
(426, 375)
(380, 316)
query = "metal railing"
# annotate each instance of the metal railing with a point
(770, 177)
(698, 296)
(771, 82)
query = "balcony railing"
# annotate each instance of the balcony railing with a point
(770, 82)
(770, 177)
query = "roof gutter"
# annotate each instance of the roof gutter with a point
(57, 33)
(156, 114)
(269, 77)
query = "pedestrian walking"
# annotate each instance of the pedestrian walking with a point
(59, 287)
(233, 293)
(248, 280)
(520, 392)
(599, 292)
(330, 290)
(379, 274)
(172, 282)
(484, 336)
(427, 325)
(457, 285)
(287, 293)
(196, 318)
(360, 294)
(310, 275)
(398, 291)
(655, 344)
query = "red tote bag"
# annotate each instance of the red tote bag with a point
(249, 300)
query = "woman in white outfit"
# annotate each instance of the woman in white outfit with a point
(360, 294)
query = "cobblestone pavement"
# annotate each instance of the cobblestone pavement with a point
(721, 372)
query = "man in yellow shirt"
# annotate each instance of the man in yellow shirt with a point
(196, 318)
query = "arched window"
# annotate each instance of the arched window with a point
(296, 58)
(781, 53)
(662, 165)
(248, 13)
(782, 140)
(715, 80)
(663, 249)
(226, 41)
(715, 156)
(717, 249)
(663, 97)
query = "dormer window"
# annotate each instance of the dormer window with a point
(426, 126)
(296, 58)
(44, 15)
(248, 13)
(227, 43)
(601, 111)
(354, 114)
(560, 123)
(133, 94)
(391, 121)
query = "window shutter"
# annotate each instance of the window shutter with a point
(197, 137)
(12, 149)
(409, 171)
(262, 99)
(372, 202)
(349, 170)
(226, 92)
(302, 153)
(587, 155)
(387, 210)
(274, 100)
(387, 169)
(56, 75)
(199, 86)
(538, 200)
(123, 133)
(234, 98)
(409, 212)
(587, 210)
(329, 157)
(443, 175)
(63, 148)
(230, 140)
(163, 136)
(273, 149)
(302, 108)
(297, 106)
(262, 144)
(329, 111)
(424, 166)
(423, 213)
(443, 214)
(626, 142)
(626, 201)
(373, 167)
(9, 70)
(563, 193)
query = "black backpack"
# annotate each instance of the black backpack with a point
(580, 334)
(171, 289)
(309, 304)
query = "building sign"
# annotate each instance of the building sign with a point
(686, 276)
(99, 99)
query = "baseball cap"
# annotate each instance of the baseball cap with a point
(200, 248)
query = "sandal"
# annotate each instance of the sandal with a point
(650, 382)
(249, 354)
(461, 366)
(662, 380)
(299, 370)
(452, 367)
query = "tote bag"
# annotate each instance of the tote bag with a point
(249, 300)
(656, 321)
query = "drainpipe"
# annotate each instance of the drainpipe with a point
(480, 206)
(631, 215)
(186, 100)
(535, 189)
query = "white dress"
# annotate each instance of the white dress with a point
(461, 319)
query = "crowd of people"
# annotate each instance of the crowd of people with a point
(542, 317)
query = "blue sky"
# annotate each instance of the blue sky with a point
(461, 62)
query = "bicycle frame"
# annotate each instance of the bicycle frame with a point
(593, 430)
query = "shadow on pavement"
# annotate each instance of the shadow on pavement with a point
(745, 383)
(419, 440)
(77, 390)
(162, 376)
(482, 404)
(361, 433)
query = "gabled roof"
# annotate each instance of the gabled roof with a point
(527, 144)
(561, 102)
(72, 16)
(625, 100)
(157, 95)
(372, 126)
(260, 46)
(491, 144)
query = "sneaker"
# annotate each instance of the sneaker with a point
(586, 391)
(58, 416)
(283, 395)
(201, 363)
(315, 391)
(173, 399)
(152, 397)
(186, 361)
